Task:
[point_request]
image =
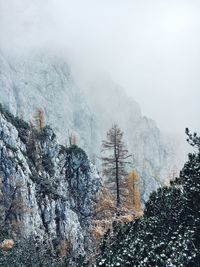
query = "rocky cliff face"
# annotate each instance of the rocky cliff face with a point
(29, 82)
(43, 81)
(47, 190)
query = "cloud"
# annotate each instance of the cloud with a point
(149, 47)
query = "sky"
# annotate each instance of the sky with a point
(151, 48)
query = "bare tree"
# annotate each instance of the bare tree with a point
(116, 157)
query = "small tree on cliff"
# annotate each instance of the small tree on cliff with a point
(39, 118)
(116, 157)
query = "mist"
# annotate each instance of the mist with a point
(151, 48)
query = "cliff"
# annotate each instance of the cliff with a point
(47, 190)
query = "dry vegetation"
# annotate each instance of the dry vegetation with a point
(106, 211)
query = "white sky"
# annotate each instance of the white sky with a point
(150, 47)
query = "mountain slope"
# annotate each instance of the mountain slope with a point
(27, 83)
(33, 81)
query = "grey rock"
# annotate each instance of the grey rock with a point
(55, 185)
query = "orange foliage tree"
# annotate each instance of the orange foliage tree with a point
(133, 198)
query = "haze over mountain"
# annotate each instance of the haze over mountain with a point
(44, 80)
(151, 49)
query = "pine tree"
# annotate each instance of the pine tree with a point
(116, 158)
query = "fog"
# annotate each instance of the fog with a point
(151, 47)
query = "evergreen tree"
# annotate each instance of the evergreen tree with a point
(29, 252)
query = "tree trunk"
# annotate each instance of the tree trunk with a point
(117, 184)
(117, 176)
